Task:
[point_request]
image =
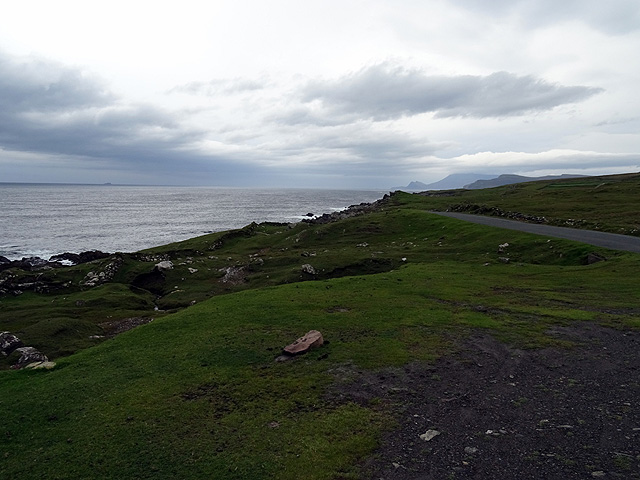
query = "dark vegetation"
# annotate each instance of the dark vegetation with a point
(194, 392)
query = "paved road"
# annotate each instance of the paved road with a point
(599, 239)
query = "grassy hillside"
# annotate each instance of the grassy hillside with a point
(197, 393)
(607, 203)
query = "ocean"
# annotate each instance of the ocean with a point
(43, 220)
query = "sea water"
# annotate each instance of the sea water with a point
(44, 220)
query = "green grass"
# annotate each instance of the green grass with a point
(193, 394)
(607, 203)
(196, 393)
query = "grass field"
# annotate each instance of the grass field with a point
(197, 393)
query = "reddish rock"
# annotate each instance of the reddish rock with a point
(312, 339)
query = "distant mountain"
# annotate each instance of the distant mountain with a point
(414, 186)
(455, 180)
(511, 179)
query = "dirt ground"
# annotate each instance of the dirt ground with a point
(504, 413)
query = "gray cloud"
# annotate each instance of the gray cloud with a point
(359, 149)
(50, 108)
(61, 112)
(382, 92)
(33, 85)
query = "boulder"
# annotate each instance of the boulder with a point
(594, 258)
(29, 355)
(312, 339)
(308, 269)
(165, 265)
(8, 343)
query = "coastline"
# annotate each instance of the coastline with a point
(45, 220)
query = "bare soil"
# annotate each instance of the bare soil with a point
(505, 413)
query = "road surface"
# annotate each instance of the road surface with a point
(591, 237)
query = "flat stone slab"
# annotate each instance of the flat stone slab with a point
(312, 339)
(41, 365)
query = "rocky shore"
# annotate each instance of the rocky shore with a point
(351, 211)
(37, 267)
(56, 261)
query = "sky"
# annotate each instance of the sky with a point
(316, 94)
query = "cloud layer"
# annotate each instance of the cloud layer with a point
(382, 92)
(281, 96)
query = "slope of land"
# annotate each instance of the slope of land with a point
(509, 179)
(516, 350)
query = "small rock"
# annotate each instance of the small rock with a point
(312, 339)
(504, 259)
(192, 270)
(166, 265)
(470, 450)
(594, 258)
(283, 358)
(429, 435)
(599, 473)
(308, 269)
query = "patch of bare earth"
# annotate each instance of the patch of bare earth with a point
(504, 413)
(117, 327)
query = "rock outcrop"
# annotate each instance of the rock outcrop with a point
(103, 275)
(32, 264)
(352, 211)
(29, 355)
(78, 258)
(11, 345)
(37, 275)
(233, 275)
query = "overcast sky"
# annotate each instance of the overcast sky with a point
(337, 94)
